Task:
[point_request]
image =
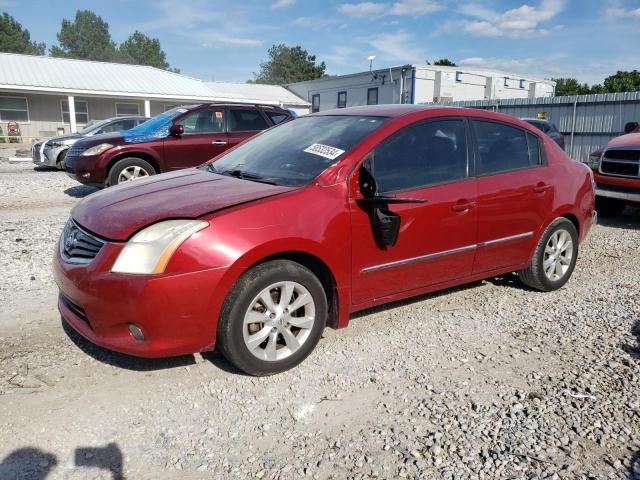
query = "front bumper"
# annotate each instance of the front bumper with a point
(176, 312)
(627, 194)
(84, 169)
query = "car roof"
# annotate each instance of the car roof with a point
(126, 117)
(541, 120)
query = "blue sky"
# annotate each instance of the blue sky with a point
(227, 40)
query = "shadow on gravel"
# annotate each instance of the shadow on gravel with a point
(28, 463)
(634, 350)
(217, 359)
(80, 191)
(420, 298)
(122, 360)
(634, 469)
(629, 219)
(509, 280)
(44, 168)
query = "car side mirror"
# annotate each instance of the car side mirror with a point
(630, 127)
(176, 130)
(99, 132)
(367, 182)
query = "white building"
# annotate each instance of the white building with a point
(418, 84)
(46, 95)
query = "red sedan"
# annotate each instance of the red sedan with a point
(258, 250)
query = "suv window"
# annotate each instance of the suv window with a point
(241, 120)
(502, 148)
(423, 154)
(203, 121)
(119, 126)
(277, 117)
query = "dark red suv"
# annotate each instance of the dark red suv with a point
(182, 137)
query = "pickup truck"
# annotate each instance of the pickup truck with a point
(616, 170)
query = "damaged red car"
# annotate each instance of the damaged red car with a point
(258, 250)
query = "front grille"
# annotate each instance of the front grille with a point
(75, 151)
(77, 245)
(35, 151)
(621, 162)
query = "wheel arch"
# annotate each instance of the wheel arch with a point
(320, 269)
(135, 154)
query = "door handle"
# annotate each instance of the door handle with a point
(218, 142)
(463, 205)
(541, 187)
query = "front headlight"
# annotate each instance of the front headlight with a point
(97, 149)
(150, 249)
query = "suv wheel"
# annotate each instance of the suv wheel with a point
(128, 170)
(554, 258)
(609, 207)
(272, 318)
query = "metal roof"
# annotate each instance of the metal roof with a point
(70, 76)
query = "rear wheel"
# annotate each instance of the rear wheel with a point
(272, 318)
(609, 207)
(554, 258)
(128, 170)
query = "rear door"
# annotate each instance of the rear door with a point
(515, 194)
(428, 161)
(244, 123)
(204, 137)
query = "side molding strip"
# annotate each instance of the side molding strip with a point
(444, 253)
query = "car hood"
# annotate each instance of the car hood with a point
(118, 212)
(628, 140)
(112, 138)
(67, 136)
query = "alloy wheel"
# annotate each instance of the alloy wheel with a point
(558, 254)
(279, 321)
(132, 173)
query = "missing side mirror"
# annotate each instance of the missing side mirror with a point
(386, 226)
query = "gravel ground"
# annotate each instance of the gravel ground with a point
(485, 381)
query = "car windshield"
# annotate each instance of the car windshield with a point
(154, 128)
(92, 125)
(296, 152)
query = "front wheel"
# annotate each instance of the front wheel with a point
(60, 161)
(128, 170)
(272, 318)
(554, 258)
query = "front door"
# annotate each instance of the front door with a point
(515, 194)
(426, 161)
(204, 137)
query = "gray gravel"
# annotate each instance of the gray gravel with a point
(485, 381)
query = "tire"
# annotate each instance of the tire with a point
(244, 319)
(609, 207)
(60, 161)
(136, 167)
(549, 247)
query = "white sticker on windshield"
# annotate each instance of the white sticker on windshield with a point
(324, 151)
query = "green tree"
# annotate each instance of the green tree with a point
(570, 86)
(288, 65)
(86, 37)
(15, 39)
(445, 62)
(622, 82)
(139, 49)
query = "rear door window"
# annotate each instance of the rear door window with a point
(423, 154)
(502, 148)
(277, 117)
(203, 122)
(246, 120)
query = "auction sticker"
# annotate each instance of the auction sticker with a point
(324, 151)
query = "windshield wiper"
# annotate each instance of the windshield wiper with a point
(237, 173)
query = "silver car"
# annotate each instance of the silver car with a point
(51, 152)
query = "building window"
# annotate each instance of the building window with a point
(458, 76)
(372, 96)
(82, 111)
(506, 81)
(342, 99)
(127, 109)
(315, 103)
(14, 109)
(521, 83)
